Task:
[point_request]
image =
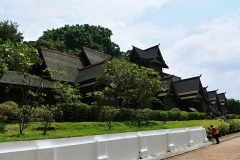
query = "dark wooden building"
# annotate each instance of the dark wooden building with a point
(192, 95)
(13, 87)
(223, 103)
(150, 58)
(168, 97)
(215, 104)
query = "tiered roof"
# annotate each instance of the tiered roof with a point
(151, 55)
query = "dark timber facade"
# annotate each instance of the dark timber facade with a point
(185, 94)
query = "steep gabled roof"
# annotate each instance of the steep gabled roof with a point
(187, 86)
(61, 62)
(90, 72)
(152, 55)
(222, 99)
(212, 95)
(167, 86)
(12, 78)
(94, 56)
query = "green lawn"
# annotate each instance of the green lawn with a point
(10, 132)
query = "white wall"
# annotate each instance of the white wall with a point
(127, 146)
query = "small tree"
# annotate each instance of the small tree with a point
(66, 93)
(46, 114)
(109, 114)
(136, 86)
(24, 115)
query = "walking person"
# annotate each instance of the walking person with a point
(215, 133)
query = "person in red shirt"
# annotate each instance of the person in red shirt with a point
(215, 133)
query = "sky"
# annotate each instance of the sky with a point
(196, 37)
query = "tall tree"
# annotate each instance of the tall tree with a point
(70, 39)
(9, 31)
(136, 86)
(234, 106)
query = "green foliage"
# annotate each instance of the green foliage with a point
(223, 127)
(135, 85)
(175, 110)
(17, 57)
(109, 114)
(124, 114)
(9, 31)
(3, 118)
(231, 116)
(164, 116)
(174, 114)
(184, 116)
(46, 114)
(25, 113)
(73, 112)
(234, 125)
(70, 39)
(234, 106)
(193, 115)
(66, 93)
(141, 115)
(9, 110)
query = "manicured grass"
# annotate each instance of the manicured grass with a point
(10, 132)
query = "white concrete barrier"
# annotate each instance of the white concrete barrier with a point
(127, 146)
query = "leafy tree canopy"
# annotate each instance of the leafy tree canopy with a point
(9, 31)
(136, 86)
(15, 55)
(70, 39)
(234, 106)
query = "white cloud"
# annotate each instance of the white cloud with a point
(212, 51)
(46, 14)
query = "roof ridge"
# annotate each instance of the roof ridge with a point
(137, 48)
(213, 90)
(97, 51)
(92, 65)
(151, 47)
(64, 54)
(187, 79)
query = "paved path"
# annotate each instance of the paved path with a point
(226, 150)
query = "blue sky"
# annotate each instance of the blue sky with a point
(196, 36)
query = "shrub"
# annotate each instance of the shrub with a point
(10, 110)
(109, 113)
(164, 116)
(175, 110)
(184, 115)
(46, 114)
(3, 118)
(124, 114)
(94, 113)
(75, 112)
(193, 115)
(156, 115)
(231, 116)
(174, 114)
(37, 114)
(222, 128)
(234, 125)
(238, 116)
(141, 115)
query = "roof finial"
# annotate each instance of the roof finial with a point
(200, 75)
(217, 90)
(159, 44)
(225, 92)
